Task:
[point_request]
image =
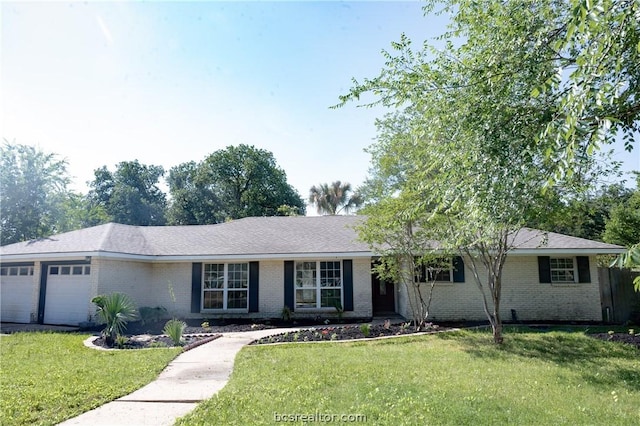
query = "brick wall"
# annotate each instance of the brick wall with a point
(521, 290)
(153, 285)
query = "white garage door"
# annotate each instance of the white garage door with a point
(17, 285)
(67, 296)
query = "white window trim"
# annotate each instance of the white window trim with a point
(436, 270)
(318, 287)
(225, 288)
(7, 271)
(85, 270)
(574, 269)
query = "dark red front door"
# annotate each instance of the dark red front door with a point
(383, 296)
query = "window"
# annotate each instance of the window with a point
(15, 271)
(318, 284)
(225, 286)
(439, 270)
(70, 270)
(562, 270)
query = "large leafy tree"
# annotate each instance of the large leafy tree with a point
(334, 198)
(232, 183)
(480, 127)
(192, 201)
(623, 225)
(33, 187)
(584, 215)
(130, 195)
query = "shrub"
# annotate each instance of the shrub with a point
(365, 329)
(115, 310)
(149, 314)
(174, 329)
(286, 314)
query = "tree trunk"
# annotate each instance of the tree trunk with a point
(496, 327)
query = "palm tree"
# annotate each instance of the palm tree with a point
(334, 199)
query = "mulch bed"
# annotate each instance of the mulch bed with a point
(336, 333)
(630, 339)
(149, 335)
(144, 341)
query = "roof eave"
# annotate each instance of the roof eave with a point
(575, 251)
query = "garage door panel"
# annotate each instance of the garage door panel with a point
(67, 296)
(15, 298)
(17, 286)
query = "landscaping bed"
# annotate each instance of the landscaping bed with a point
(348, 332)
(149, 334)
(144, 341)
(628, 338)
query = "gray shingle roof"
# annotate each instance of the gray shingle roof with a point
(249, 236)
(255, 237)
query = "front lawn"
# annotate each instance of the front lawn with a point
(49, 377)
(449, 378)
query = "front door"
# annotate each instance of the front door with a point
(383, 296)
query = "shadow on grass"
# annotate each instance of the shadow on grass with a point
(596, 359)
(561, 347)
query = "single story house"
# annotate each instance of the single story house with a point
(254, 267)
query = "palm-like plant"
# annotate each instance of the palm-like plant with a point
(334, 199)
(115, 310)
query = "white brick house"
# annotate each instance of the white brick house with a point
(254, 267)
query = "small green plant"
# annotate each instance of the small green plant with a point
(339, 310)
(115, 310)
(286, 314)
(365, 329)
(334, 336)
(296, 336)
(632, 332)
(157, 345)
(205, 324)
(174, 329)
(121, 341)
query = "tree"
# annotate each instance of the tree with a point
(130, 195)
(33, 185)
(396, 234)
(334, 199)
(583, 215)
(236, 182)
(623, 226)
(466, 148)
(192, 200)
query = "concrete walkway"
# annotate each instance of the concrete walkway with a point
(192, 377)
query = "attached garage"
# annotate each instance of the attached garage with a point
(17, 287)
(67, 294)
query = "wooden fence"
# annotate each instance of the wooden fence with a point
(620, 302)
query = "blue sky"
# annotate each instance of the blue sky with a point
(166, 83)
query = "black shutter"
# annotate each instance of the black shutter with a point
(584, 274)
(196, 287)
(288, 285)
(254, 280)
(347, 284)
(458, 269)
(544, 269)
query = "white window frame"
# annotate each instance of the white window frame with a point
(225, 290)
(16, 271)
(573, 269)
(70, 270)
(428, 270)
(318, 286)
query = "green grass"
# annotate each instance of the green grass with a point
(49, 377)
(454, 378)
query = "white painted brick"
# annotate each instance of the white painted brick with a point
(521, 290)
